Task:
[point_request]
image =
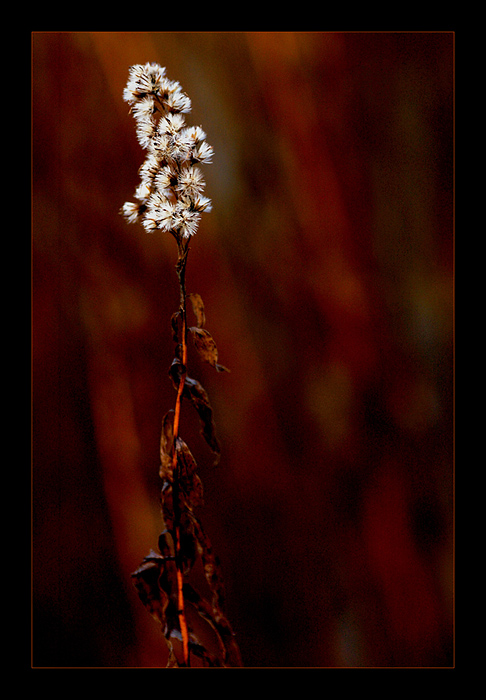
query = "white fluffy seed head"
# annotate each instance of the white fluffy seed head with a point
(171, 186)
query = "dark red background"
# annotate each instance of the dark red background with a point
(326, 267)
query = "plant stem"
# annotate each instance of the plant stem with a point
(181, 268)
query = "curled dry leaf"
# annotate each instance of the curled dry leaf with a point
(228, 650)
(166, 443)
(166, 545)
(197, 395)
(146, 579)
(188, 544)
(211, 565)
(207, 613)
(210, 660)
(203, 340)
(176, 323)
(167, 503)
(156, 584)
(189, 481)
(198, 308)
(195, 392)
(206, 347)
(172, 660)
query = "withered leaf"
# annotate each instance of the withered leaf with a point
(225, 637)
(211, 566)
(209, 659)
(189, 481)
(176, 322)
(188, 544)
(196, 648)
(167, 503)
(206, 612)
(172, 660)
(166, 443)
(146, 579)
(206, 347)
(197, 395)
(176, 372)
(166, 545)
(195, 392)
(198, 308)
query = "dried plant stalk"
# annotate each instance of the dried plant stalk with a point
(170, 199)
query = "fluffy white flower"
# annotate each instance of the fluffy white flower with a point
(131, 211)
(143, 80)
(202, 153)
(142, 193)
(162, 148)
(171, 124)
(181, 150)
(200, 203)
(178, 101)
(186, 221)
(194, 134)
(149, 168)
(190, 181)
(149, 224)
(144, 108)
(146, 129)
(166, 178)
(167, 219)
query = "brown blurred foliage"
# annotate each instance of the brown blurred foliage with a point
(326, 269)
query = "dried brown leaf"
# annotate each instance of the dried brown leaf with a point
(167, 505)
(172, 660)
(176, 372)
(194, 391)
(166, 444)
(146, 579)
(207, 613)
(197, 395)
(213, 613)
(211, 565)
(198, 308)
(196, 648)
(166, 545)
(189, 481)
(206, 347)
(176, 324)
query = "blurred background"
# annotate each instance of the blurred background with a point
(326, 268)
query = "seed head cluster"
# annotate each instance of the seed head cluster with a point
(170, 194)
